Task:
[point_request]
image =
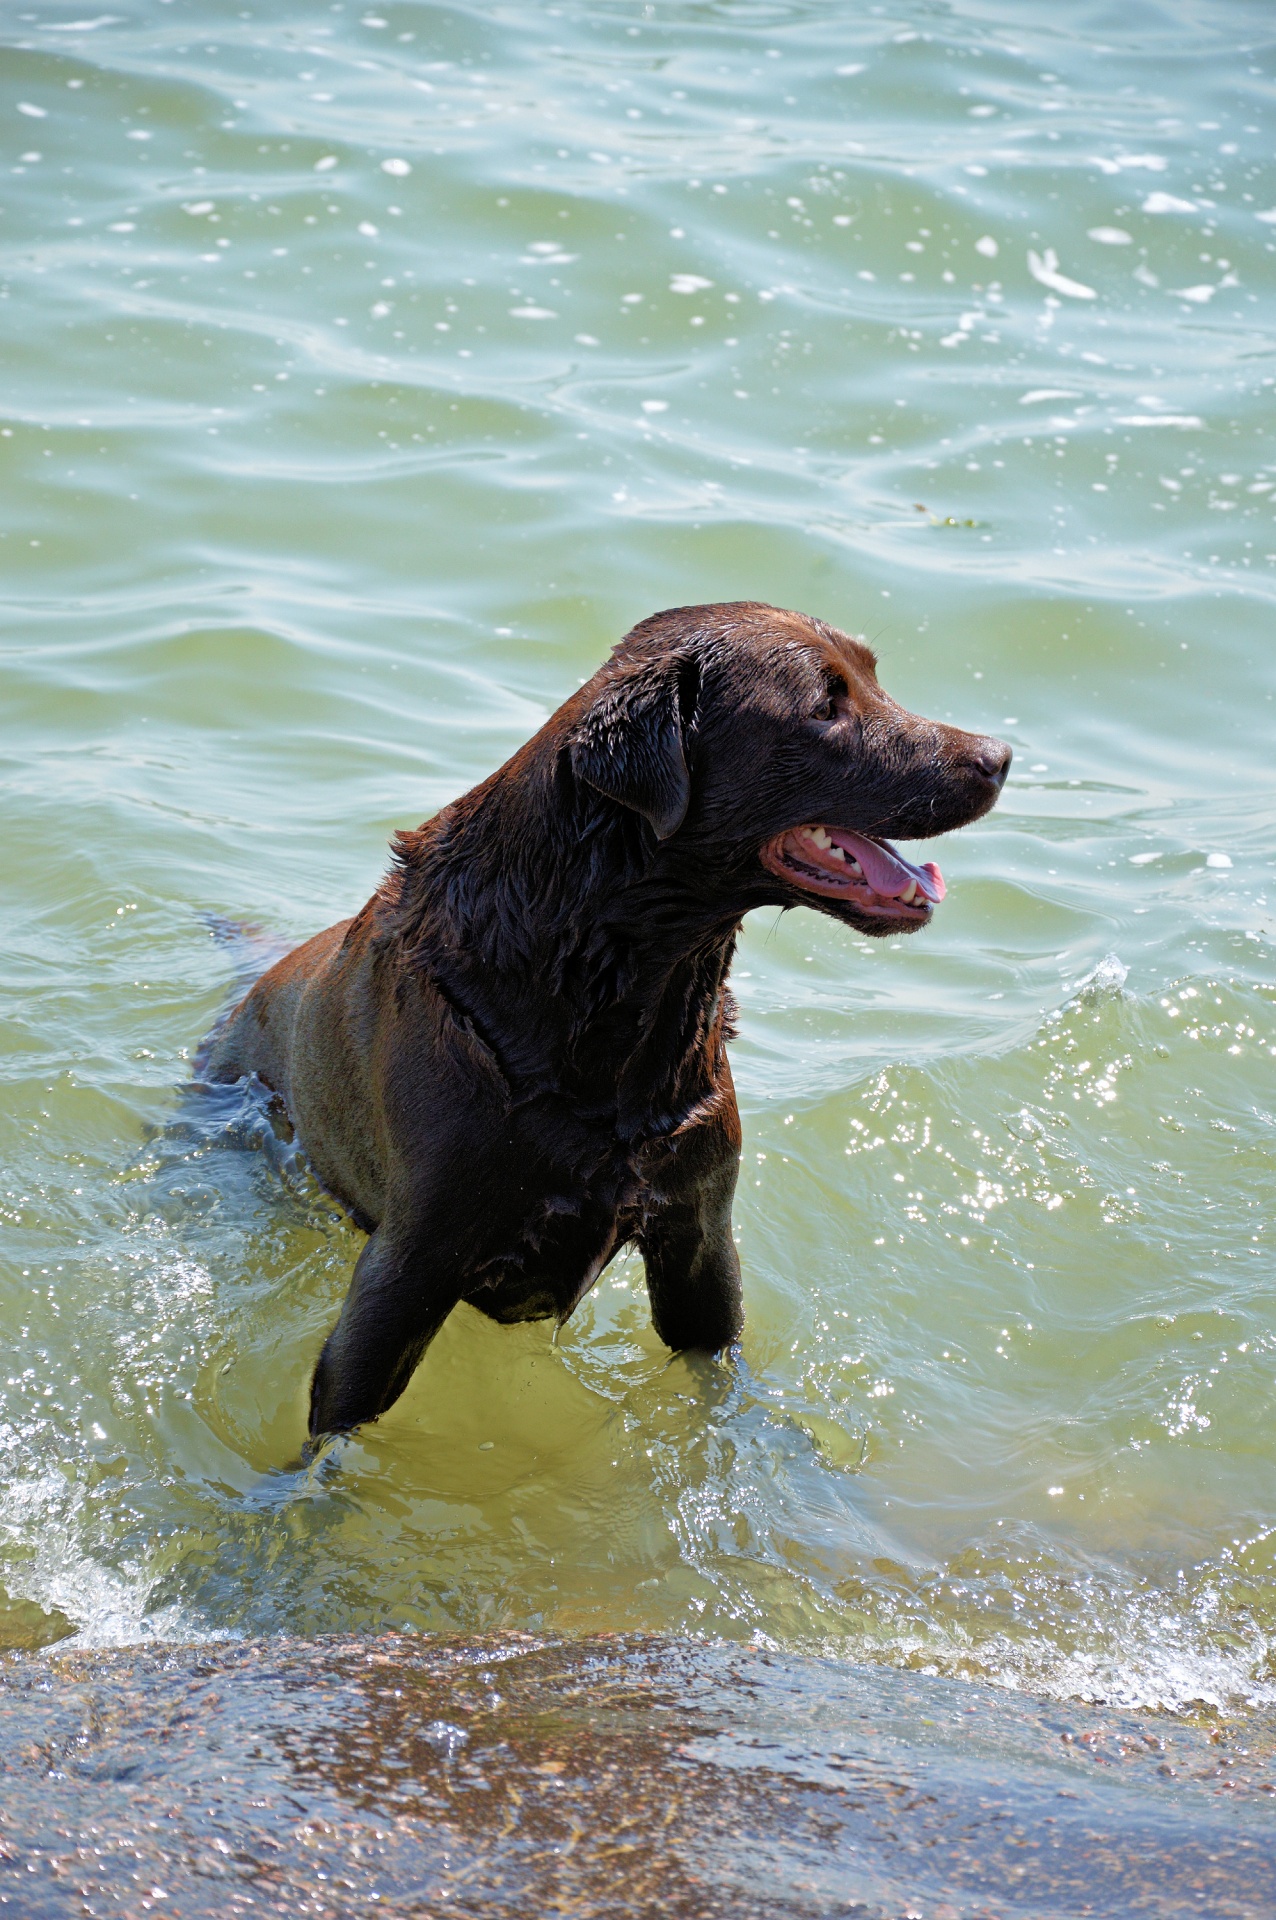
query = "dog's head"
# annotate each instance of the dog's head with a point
(772, 768)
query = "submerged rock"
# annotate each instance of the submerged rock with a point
(604, 1777)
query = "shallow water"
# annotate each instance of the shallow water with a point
(365, 376)
(635, 1779)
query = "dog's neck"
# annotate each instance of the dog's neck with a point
(583, 967)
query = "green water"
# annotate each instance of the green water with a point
(364, 376)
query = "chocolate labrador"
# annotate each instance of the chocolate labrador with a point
(512, 1062)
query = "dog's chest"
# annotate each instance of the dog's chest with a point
(569, 1215)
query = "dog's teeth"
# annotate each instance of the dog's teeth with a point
(818, 838)
(856, 868)
(909, 894)
(838, 853)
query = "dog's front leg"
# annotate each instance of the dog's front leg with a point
(400, 1295)
(693, 1270)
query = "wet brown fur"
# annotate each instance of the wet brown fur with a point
(513, 1060)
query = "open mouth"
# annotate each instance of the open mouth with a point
(869, 875)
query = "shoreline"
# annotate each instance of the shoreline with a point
(617, 1775)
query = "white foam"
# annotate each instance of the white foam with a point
(108, 1607)
(1045, 268)
(1108, 977)
(1168, 203)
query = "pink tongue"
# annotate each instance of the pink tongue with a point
(886, 871)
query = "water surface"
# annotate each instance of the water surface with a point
(607, 1778)
(365, 375)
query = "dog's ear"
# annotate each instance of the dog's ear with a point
(631, 743)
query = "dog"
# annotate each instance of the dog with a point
(512, 1062)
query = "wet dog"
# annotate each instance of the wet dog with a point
(512, 1062)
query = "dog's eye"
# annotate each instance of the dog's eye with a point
(828, 707)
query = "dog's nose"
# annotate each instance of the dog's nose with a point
(993, 761)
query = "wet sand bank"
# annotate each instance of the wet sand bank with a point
(608, 1776)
